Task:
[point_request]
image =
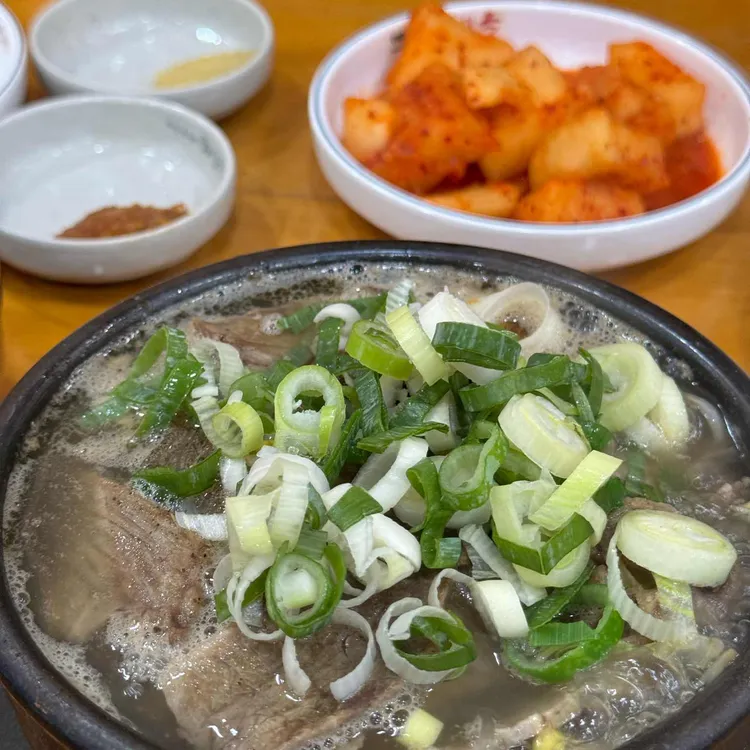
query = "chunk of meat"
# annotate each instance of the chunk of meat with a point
(595, 145)
(433, 36)
(257, 348)
(646, 67)
(494, 199)
(578, 200)
(536, 72)
(368, 126)
(437, 136)
(112, 550)
(517, 131)
(226, 693)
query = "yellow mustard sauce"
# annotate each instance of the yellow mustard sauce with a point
(201, 69)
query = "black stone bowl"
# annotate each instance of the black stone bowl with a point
(713, 713)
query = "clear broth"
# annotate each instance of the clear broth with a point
(122, 666)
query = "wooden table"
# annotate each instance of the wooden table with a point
(283, 199)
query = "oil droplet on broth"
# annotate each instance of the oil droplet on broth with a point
(201, 69)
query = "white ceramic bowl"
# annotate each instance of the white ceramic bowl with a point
(13, 65)
(571, 34)
(65, 158)
(119, 46)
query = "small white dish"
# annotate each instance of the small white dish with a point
(120, 46)
(13, 63)
(65, 158)
(571, 34)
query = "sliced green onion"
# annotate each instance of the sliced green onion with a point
(635, 482)
(500, 607)
(676, 547)
(345, 364)
(307, 431)
(291, 506)
(311, 543)
(316, 514)
(415, 409)
(254, 592)
(384, 474)
(464, 342)
(517, 466)
(372, 344)
(370, 395)
(346, 313)
(597, 434)
(380, 441)
(467, 473)
(595, 383)
(386, 638)
(399, 295)
(457, 381)
(533, 664)
(543, 433)
(355, 505)
(168, 341)
(173, 392)
(580, 486)
(611, 496)
(545, 558)
(327, 594)
(547, 609)
(247, 517)
(642, 622)
(566, 408)
(453, 642)
(512, 503)
(190, 481)
(437, 550)
(301, 319)
(557, 371)
(230, 365)
(591, 595)
(327, 350)
(277, 372)
(445, 308)
(338, 455)
(296, 357)
(444, 412)
(480, 430)
(563, 574)
(638, 379)
(416, 343)
(670, 414)
(255, 391)
(237, 430)
(676, 599)
(477, 540)
(561, 634)
(330, 425)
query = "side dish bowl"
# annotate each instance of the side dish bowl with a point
(572, 35)
(76, 721)
(85, 46)
(13, 64)
(65, 158)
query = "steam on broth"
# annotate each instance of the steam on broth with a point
(140, 612)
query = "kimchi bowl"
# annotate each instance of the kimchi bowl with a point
(571, 35)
